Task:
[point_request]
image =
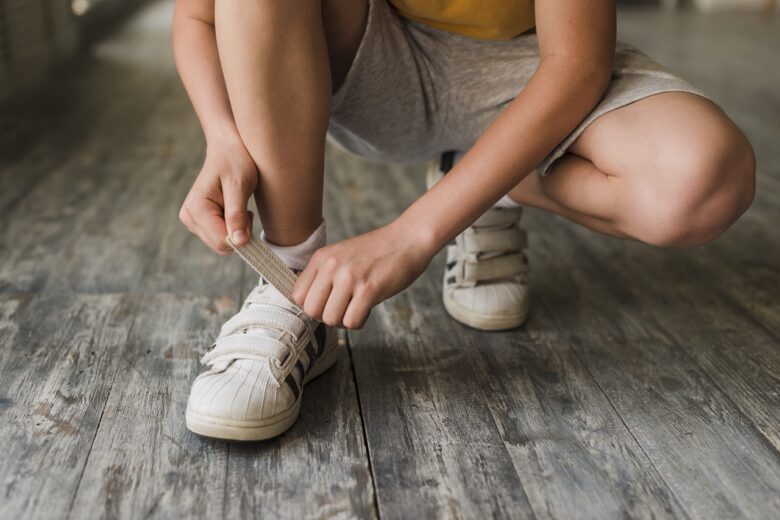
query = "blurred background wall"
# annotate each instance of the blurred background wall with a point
(38, 37)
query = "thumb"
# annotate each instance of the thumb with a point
(237, 217)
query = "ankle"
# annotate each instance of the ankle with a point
(297, 256)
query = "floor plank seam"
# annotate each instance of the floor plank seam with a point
(225, 486)
(375, 495)
(749, 421)
(100, 420)
(226, 481)
(740, 308)
(579, 358)
(435, 284)
(736, 307)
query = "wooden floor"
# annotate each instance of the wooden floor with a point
(646, 383)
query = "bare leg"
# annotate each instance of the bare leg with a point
(670, 170)
(277, 68)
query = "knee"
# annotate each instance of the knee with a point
(705, 187)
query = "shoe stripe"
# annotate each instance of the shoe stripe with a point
(312, 355)
(290, 380)
(320, 334)
(317, 344)
(299, 366)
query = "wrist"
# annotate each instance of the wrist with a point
(421, 236)
(223, 139)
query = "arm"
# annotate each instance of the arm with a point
(577, 45)
(218, 198)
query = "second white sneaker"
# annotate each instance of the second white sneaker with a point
(486, 275)
(258, 367)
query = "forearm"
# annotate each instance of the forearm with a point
(197, 60)
(555, 100)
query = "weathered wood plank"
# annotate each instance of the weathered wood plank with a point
(57, 366)
(691, 297)
(104, 219)
(87, 228)
(318, 469)
(714, 460)
(435, 449)
(572, 453)
(144, 462)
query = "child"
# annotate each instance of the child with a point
(536, 100)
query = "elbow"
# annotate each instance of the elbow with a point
(589, 74)
(595, 78)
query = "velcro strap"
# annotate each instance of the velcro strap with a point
(265, 317)
(492, 240)
(499, 217)
(246, 346)
(493, 268)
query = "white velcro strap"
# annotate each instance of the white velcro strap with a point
(499, 217)
(264, 317)
(492, 240)
(493, 268)
(246, 346)
(260, 258)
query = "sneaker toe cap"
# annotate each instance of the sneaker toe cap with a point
(244, 391)
(504, 298)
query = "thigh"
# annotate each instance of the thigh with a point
(659, 138)
(679, 170)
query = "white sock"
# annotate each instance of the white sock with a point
(503, 202)
(296, 257)
(506, 202)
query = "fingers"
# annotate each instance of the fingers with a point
(328, 299)
(317, 296)
(237, 219)
(204, 218)
(304, 281)
(339, 298)
(333, 293)
(358, 309)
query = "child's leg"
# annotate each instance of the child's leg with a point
(670, 170)
(277, 68)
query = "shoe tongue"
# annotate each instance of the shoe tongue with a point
(271, 295)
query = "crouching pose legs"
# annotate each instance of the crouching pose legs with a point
(515, 106)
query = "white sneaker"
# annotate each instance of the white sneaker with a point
(486, 277)
(257, 368)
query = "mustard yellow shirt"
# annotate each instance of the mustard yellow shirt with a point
(487, 19)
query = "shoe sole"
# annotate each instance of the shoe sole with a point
(262, 429)
(486, 322)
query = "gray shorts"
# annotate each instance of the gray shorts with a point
(414, 92)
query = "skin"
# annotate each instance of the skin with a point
(669, 170)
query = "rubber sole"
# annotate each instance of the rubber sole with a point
(486, 322)
(261, 429)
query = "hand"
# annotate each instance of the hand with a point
(343, 281)
(217, 201)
